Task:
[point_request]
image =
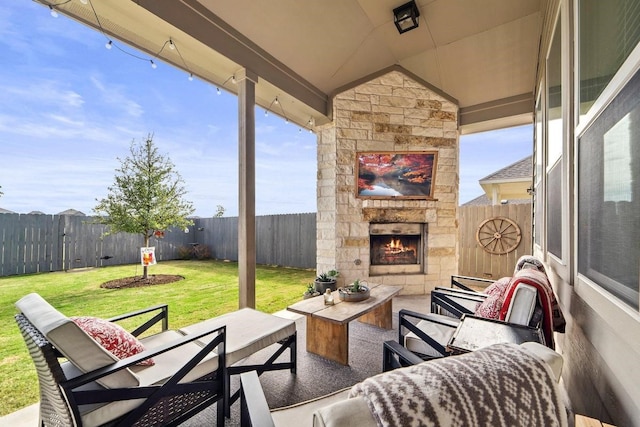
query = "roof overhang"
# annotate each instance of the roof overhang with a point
(483, 54)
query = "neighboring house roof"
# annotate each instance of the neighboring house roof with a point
(5, 211)
(486, 201)
(71, 212)
(507, 185)
(522, 169)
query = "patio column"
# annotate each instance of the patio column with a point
(246, 81)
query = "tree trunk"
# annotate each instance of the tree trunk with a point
(145, 268)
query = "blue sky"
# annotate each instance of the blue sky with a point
(70, 108)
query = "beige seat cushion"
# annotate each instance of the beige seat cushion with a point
(347, 413)
(440, 333)
(248, 331)
(166, 364)
(170, 362)
(302, 413)
(552, 358)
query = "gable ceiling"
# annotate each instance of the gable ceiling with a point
(482, 53)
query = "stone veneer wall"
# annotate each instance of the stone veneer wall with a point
(388, 113)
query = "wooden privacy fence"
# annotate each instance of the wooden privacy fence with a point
(489, 254)
(31, 243)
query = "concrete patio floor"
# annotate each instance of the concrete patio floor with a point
(28, 416)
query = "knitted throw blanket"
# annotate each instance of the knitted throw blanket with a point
(500, 385)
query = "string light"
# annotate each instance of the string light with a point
(233, 80)
(171, 45)
(109, 45)
(52, 11)
(153, 64)
(276, 101)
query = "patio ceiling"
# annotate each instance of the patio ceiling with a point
(483, 53)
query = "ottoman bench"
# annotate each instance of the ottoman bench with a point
(249, 331)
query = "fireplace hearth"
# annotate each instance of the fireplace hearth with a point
(397, 248)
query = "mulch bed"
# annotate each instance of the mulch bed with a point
(138, 281)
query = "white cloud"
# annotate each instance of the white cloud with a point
(114, 95)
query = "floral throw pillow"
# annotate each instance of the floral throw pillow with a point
(490, 307)
(112, 337)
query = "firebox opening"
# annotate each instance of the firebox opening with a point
(397, 248)
(392, 249)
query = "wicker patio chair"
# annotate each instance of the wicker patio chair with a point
(68, 394)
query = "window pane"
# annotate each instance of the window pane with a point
(609, 31)
(537, 178)
(554, 212)
(554, 99)
(554, 145)
(609, 197)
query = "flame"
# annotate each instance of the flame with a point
(395, 246)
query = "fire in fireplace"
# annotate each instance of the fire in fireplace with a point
(396, 248)
(391, 249)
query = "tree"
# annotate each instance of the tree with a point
(147, 195)
(219, 211)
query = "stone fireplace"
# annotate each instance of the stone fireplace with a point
(410, 242)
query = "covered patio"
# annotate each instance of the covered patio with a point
(481, 58)
(341, 68)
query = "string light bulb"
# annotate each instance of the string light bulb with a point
(218, 91)
(153, 64)
(171, 45)
(53, 11)
(108, 45)
(190, 77)
(233, 79)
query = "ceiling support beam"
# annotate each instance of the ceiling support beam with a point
(500, 113)
(246, 81)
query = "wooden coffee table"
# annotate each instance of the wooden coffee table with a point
(328, 325)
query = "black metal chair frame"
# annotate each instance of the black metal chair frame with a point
(174, 400)
(407, 322)
(448, 301)
(456, 282)
(270, 365)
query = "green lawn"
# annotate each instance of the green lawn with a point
(209, 288)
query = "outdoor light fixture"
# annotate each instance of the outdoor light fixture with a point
(406, 17)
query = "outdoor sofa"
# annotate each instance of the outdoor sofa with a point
(163, 378)
(500, 385)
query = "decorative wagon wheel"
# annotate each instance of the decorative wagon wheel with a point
(498, 235)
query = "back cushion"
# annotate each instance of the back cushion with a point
(523, 303)
(81, 350)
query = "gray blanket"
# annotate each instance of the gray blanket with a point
(501, 385)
